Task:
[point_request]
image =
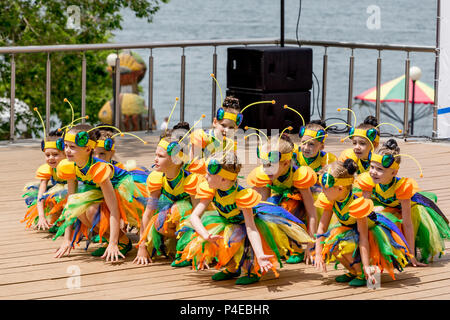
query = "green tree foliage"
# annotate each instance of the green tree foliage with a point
(45, 22)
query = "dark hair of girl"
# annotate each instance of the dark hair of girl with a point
(351, 166)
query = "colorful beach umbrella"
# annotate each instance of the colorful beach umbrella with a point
(394, 91)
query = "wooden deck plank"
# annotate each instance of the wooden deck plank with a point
(29, 271)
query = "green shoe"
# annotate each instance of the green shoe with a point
(96, 239)
(225, 275)
(100, 251)
(358, 282)
(53, 229)
(252, 278)
(345, 277)
(178, 264)
(125, 248)
(295, 258)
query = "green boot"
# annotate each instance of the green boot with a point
(96, 239)
(249, 279)
(296, 257)
(53, 229)
(225, 275)
(125, 248)
(100, 251)
(345, 277)
(359, 281)
(177, 264)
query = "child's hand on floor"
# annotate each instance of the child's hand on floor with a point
(319, 263)
(64, 249)
(309, 257)
(416, 263)
(42, 224)
(142, 256)
(264, 262)
(112, 252)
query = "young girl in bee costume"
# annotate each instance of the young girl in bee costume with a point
(423, 223)
(171, 187)
(47, 198)
(281, 182)
(365, 138)
(46, 201)
(246, 235)
(364, 237)
(107, 195)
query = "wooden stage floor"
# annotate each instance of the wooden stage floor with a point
(29, 271)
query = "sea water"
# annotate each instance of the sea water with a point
(407, 22)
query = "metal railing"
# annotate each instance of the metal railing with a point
(215, 43)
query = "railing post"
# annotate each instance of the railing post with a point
(378, 92)
(83, 88)
(12, 100)
(324, 84)
(182, 90)
(150, 92)
(350, 88)
(214, 86)
(117, 113)
(436, 71)
(405, 109)
(47, 94)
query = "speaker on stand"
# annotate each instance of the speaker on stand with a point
(283, 74)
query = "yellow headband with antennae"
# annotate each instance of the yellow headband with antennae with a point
(287, 128)
(170, 115)
(289, 108)
(323, 135)
(415, 160)
(71, 107)
(390, 124)
(253, 134)
(362, 133)
(254, 103)
(71, 124)
(130, 134)
(42, 121)
(333, 124)
(256, 129)
(379, 158)
(47, 144)
(354, 115)
(192, 128)
(220, 90)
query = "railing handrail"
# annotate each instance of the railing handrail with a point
(82, 48)
(220, 42)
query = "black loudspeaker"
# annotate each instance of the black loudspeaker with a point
(273, 116)
(269, 68)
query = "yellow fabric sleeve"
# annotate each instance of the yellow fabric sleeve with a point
(66, 170)
(348, 154)
(304, 177)
(365, 182)
(360, 208)
(191, 182)
(204, 191)
(322, 202)
(406, 189)
(247, 198)
(44, 172)
(197, 166)
(101, 171)
(154, 181)
(258, 178)
(199, 138)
